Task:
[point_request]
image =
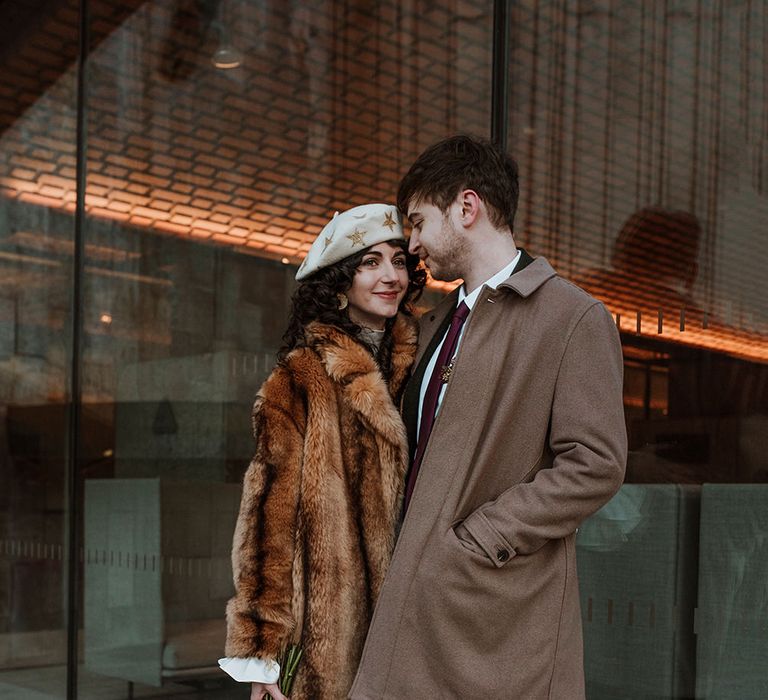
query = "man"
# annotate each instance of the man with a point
(517, 429)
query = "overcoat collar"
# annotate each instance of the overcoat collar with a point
(529, 274)
(350, 364)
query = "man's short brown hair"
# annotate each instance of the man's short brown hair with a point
(458, 163)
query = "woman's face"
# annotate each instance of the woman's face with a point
(378, 287)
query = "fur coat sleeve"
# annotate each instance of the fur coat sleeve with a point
(260, 618)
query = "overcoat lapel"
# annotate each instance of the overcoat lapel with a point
(434, 324)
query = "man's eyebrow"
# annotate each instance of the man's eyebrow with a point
(411, 215)
(377, 253)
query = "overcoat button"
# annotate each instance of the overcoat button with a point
(502, 554)
(431, 318)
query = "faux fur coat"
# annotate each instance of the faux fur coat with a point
(320, 503)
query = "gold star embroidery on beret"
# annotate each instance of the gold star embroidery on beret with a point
(389, 222)
(328, 240)
(356, 237)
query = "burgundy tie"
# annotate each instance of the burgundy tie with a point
(440, 375)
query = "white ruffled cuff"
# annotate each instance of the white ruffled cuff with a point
(251, 670)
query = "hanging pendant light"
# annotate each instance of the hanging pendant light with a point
(227, 55)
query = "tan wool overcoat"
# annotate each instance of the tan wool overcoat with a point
(481, 598)
(321, 499)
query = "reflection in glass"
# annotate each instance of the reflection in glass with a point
(205, 188)
(637, 561)
(37, 155)
(732, 641)
(641, 133)
(633, 116)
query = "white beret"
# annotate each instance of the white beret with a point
(350, 232)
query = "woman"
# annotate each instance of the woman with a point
(322, 495)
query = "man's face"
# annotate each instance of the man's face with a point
(437, 240)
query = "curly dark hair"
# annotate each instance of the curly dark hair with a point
(315, 299)
(463, 162)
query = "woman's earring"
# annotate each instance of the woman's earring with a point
(343, 301)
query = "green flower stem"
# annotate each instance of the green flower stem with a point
(288, 664)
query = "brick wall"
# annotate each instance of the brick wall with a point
(614, 106)
(330, 105)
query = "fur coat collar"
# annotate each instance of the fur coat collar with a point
(350, 364)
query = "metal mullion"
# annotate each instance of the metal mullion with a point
(75, 392)
(500, 74)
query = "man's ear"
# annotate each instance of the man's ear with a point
(469, 206)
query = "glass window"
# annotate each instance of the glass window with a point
(37, 158)
(640, 128)
(221, 136)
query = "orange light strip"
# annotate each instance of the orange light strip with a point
(279, 237)
(715, 336)
(273, 236)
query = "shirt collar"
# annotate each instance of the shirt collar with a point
(492, 282)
